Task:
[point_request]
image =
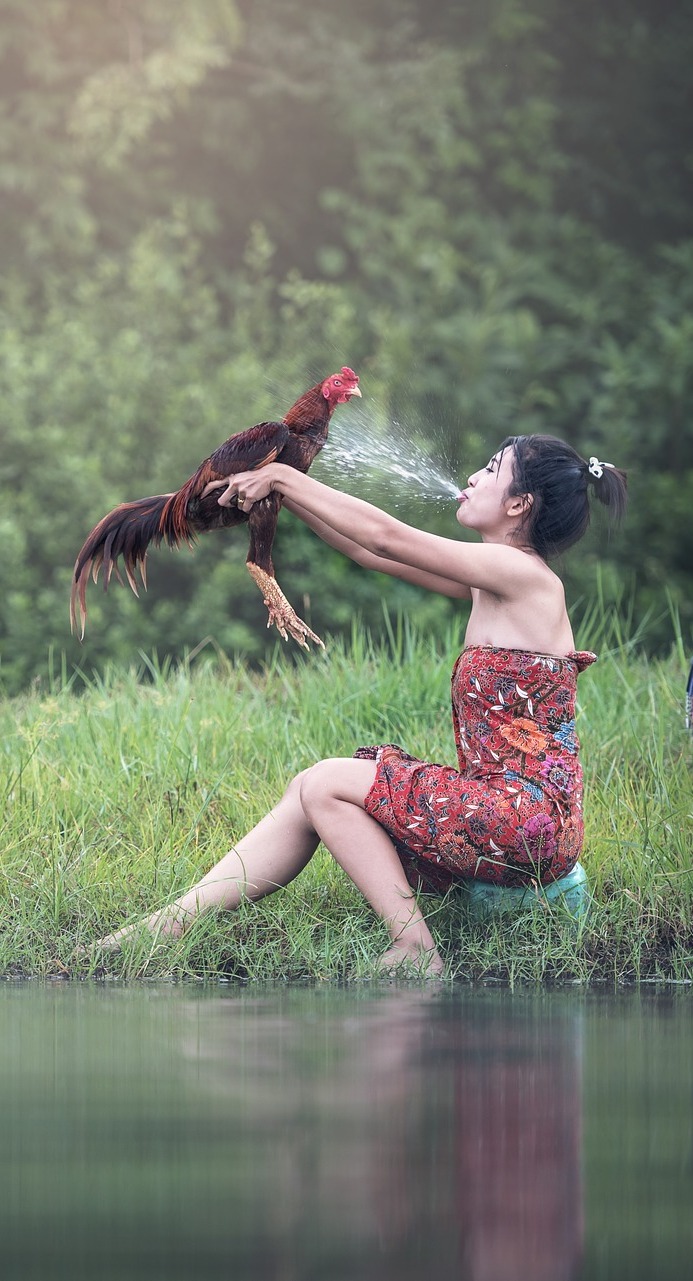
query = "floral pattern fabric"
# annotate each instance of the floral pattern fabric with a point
(512, 810)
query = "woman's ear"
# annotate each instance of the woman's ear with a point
(519, 505)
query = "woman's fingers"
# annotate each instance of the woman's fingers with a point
(245, 488)
(230, 494)
(215, 484)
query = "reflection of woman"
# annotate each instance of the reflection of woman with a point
(477, 1132)
(513, 808)
(518, 1145)
(368, 1138)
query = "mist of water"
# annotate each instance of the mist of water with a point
(383, 458)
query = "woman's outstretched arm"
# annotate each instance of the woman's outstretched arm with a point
(494, 567)
(420, 578)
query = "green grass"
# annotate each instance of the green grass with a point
(117, 793)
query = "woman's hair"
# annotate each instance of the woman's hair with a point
(558, 480)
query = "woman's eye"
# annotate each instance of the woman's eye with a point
(489, 469)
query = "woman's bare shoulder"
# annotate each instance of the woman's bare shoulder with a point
(535, 619)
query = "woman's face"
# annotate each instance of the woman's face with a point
(484, 504)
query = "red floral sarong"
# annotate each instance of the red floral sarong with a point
(512, 810)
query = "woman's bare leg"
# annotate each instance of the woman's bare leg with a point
(267, 858)
(333, 794)
(324, 803)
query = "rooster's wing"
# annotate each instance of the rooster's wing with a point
(249, 449)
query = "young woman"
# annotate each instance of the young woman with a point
(512, 808)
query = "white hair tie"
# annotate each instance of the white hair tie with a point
(596, 468)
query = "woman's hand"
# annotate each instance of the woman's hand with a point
(246, 487)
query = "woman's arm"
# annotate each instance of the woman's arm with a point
(420, 578)
(492, 567)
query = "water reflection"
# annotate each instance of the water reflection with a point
(429, 1129)
(290, 1134)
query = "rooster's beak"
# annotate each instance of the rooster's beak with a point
(355, 392)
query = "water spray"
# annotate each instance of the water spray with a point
(376, 453)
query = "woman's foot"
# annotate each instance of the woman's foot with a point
(99, 949)
(419, 962)
(166, 923)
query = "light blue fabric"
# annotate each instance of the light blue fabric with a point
(570, 892)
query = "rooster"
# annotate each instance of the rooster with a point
(193, 509)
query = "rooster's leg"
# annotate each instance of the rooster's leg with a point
(281, 613)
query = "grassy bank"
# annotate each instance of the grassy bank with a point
(116, 794)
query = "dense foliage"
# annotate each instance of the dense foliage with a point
(205, 204)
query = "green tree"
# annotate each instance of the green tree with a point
(481, 206)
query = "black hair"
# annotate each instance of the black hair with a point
(558, 479)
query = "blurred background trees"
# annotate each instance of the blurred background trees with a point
(483, 206)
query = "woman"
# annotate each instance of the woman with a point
(513, 809)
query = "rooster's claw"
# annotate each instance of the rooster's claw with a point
(281, 614)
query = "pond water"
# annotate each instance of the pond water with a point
(387, 1132)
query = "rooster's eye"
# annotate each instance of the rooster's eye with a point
(337, 382)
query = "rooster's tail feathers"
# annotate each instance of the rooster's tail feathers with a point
(175, 524)
(125, 532)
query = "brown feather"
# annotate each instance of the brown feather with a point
(125, 533)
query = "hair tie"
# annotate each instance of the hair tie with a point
(596, 468)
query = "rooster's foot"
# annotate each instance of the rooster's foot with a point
(281, 613)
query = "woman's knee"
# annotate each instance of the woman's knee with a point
(335, 779)
(292, 791)
(315, 784)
